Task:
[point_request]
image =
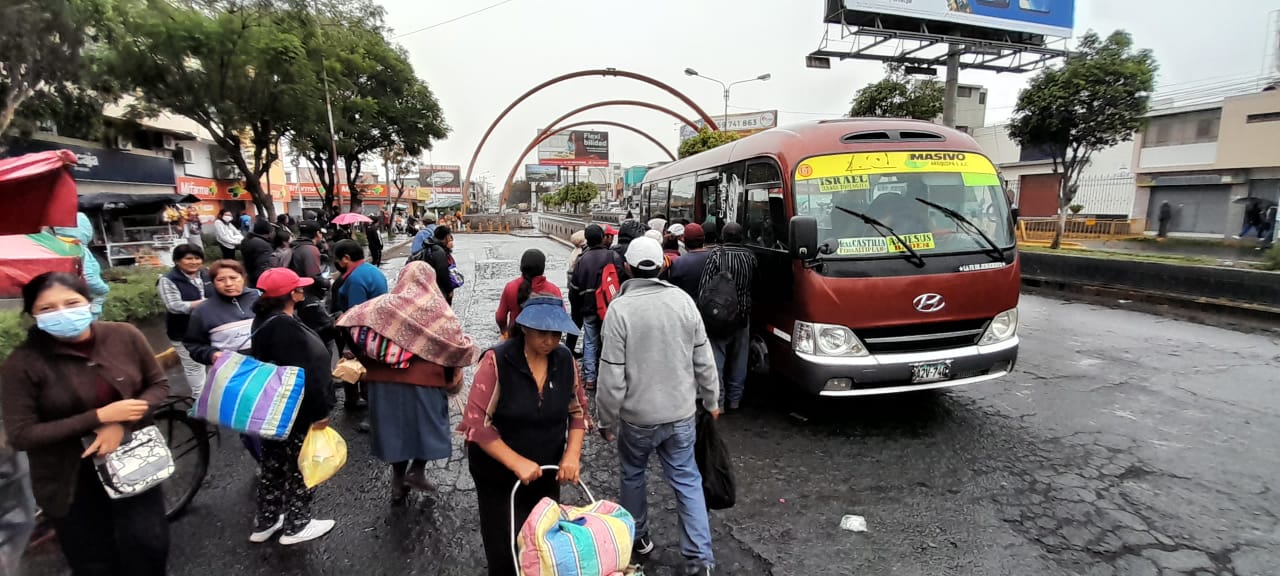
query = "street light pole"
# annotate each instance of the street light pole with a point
(724, 123)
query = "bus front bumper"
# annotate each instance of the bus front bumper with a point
(892, 373)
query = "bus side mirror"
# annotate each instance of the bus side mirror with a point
(803, 236)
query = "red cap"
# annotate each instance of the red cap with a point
(278, 282)
(610, 230)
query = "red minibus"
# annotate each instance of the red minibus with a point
(886, 250)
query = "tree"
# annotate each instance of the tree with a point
(400, 167)
(238, 69)
(705, 140)
(1098, 98)
(43, 45)
(899, 96)
(377, 100)
(521, 192)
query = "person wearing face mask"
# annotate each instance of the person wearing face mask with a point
(76, 382)
(227, 234)
(284, 501)
(183, 290)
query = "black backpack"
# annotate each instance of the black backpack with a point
(718, 303)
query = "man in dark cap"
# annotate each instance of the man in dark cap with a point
(592, 266)
(257, 248)
(627, 231)
(686, 271)
(712, 233)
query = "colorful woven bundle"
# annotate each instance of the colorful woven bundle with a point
(249, 396)
(592, 540)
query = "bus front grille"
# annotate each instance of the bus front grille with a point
(923, 337)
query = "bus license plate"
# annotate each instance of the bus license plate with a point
(930, 372)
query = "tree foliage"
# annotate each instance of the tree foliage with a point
(706, 139)
(46, 48)
(376, 98)
(401, 167)
(240, 69)
(899, 96)
(1098, 98)
(573, 196)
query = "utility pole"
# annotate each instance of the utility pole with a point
(952, 87)
(333, 137)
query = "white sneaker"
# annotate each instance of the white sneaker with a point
(264, 535)
(314, 529)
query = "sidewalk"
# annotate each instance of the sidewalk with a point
(1221, 251)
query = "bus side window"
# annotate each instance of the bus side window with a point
(681, 199)
(658, 200)
(764, 221)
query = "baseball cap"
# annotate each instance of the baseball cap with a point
(694, 232)
(676, 230)
(644, 253)
(277, 282)
(309, 228)
(609, 230)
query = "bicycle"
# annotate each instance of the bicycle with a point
(188, 441)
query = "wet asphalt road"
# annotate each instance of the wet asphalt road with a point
(1125, 444)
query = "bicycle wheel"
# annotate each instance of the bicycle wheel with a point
(189, 442)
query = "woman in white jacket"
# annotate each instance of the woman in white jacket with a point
(227, 234)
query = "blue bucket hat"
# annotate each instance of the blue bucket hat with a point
(546, 313)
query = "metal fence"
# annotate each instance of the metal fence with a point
(1077, 228)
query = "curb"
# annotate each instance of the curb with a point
(1210, 311)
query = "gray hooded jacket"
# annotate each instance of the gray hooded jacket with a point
(657, 361)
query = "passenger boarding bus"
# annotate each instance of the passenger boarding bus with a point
(886, 249)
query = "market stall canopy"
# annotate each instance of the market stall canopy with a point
(25, 256)
(98, 202)
(37, 190)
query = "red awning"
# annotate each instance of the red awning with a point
(37, 190)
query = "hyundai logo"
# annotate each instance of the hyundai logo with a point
(928, 303)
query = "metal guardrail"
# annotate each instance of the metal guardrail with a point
(1043, 229)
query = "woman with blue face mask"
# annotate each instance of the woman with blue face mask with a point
(73, 390)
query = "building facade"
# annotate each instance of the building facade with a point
(1206, 162)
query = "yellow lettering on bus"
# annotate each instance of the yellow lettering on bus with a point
(864, 164)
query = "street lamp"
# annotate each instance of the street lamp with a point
(760, 78)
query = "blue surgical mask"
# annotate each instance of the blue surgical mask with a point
(66, 323)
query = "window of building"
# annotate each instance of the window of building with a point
(982, 98)
(1264, 117)
(1183, 129)
(1206, 130)
(964, 92)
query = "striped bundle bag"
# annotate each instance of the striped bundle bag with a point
(592, 540)
(250, 396)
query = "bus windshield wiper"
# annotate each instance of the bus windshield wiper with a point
(880, 228)
(995, 251)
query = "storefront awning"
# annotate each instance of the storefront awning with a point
(96, 202)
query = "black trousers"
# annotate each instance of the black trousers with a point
(104, 537)
(228, 253)
(493, 492)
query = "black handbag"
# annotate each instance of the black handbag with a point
(712, 455)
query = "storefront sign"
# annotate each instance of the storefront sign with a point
(103, 165)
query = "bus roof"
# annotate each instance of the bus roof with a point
(793, 143)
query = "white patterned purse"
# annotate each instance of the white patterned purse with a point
(141, 463)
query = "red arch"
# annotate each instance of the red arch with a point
(511, 176)
(466, 182)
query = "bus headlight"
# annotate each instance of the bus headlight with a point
(1003, 327)
(826, 340)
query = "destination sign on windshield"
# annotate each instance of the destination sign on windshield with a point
(878, 245)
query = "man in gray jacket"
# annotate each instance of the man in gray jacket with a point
(655, 365)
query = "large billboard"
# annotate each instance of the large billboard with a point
(575, 148)
(441, 179)
(1044, 17)
(742, 124)
(539, 174)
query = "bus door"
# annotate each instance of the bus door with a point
(706, 195)
(762, 212)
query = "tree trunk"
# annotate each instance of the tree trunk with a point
(1062, 214)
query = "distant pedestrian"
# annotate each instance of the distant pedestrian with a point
(373, 236)
(533, 264)
(526, 409)
(587, 279)
(732, 262)
(1269, 225)
(627, 231)
(1166, 216)
(307, 261)
(656, 364)
(182, 290)
(579, 240)
(246, 223)
(676, 231)
(61, 407)
(414, 351)
(424, 235)
(1252, 221)
(257, 248)
(227, 234)
(284, 501)
(438, 252)
(192, 229)
(711, 231)
(686, 272)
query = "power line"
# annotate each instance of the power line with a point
(452, 20)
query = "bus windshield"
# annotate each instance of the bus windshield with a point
(896, 188)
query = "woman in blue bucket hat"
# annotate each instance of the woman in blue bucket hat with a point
(526, 409)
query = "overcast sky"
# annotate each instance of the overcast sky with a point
(478, 64)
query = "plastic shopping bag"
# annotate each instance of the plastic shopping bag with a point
(324, 452)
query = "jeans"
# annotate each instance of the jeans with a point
(590, 349)
(732, 354)
(674, 444)
(192, 370)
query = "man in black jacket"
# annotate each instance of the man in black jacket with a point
(257, 249)
(438, 252)
(582, 295)
(307, 262)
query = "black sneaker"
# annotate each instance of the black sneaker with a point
(642, 546)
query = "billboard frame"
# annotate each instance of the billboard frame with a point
(918, 42)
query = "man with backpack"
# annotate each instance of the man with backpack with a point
(655, 367)
(724, 299)
(307, 261)
(597, 279)
(438, 252)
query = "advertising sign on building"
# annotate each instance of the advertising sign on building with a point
(1046, 17)
(742, 124)
(104, 165)
(539, 174)
(441, 178)
(575, 148)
